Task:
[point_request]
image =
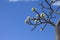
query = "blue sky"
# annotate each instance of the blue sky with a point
(12, 26)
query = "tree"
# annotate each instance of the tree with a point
(45, 18)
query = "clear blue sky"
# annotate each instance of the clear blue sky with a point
(12, 26)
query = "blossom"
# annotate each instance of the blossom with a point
(33, 9)
(42, 15)
(27, 20)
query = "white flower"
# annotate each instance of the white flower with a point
(28, 17)
(33, 9)
(35, 21)
(42, 15)
(26, 21)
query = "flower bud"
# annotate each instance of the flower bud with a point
(26, 21)
(35, 21)
(42, 15)
(28, 17)
(33, 9)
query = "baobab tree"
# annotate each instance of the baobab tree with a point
(46, 18)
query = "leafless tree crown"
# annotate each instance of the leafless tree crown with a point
(47, 18)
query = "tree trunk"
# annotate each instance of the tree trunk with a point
(57, 29)
(57, 33)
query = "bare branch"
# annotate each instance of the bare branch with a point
(52, 23)
(57, 12)
(49, 5)
(34, 28)
(41, 4)
(44, 26)
(47, 18)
